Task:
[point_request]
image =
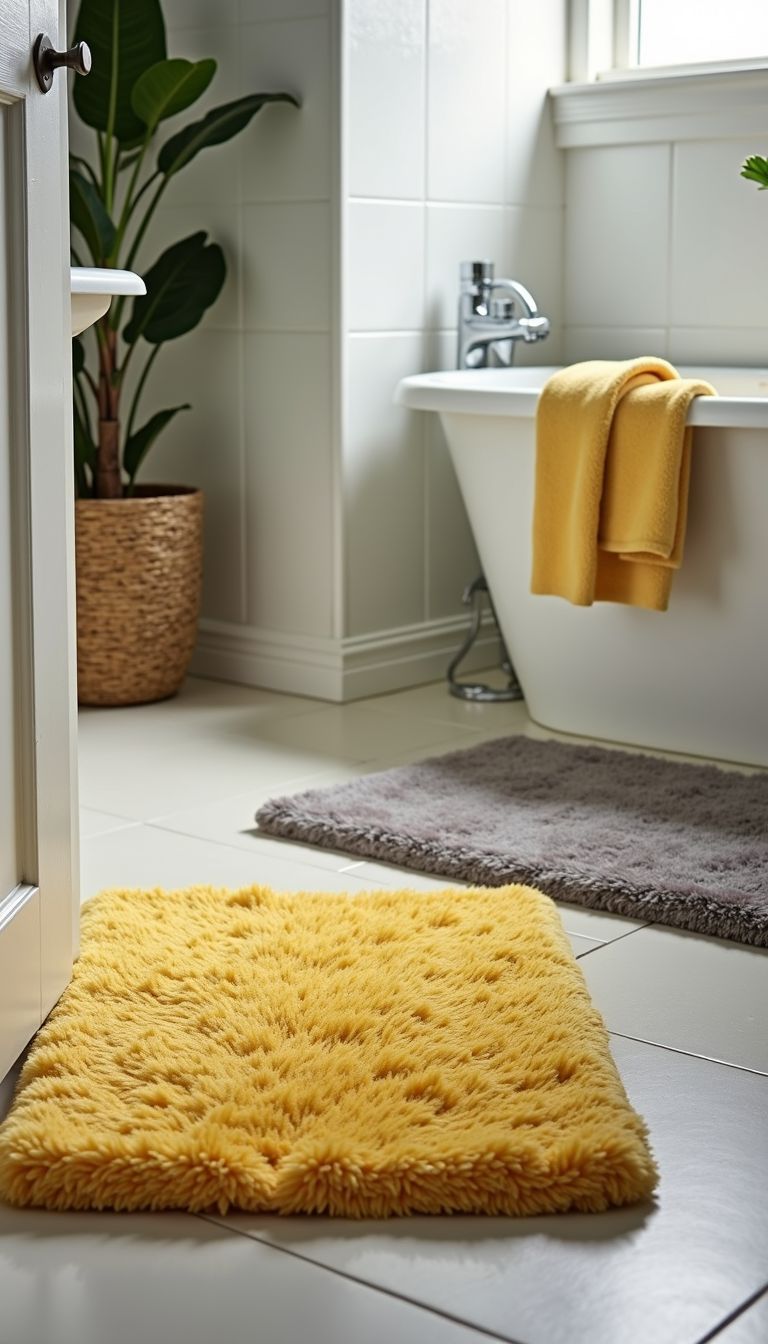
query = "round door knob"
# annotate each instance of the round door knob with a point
(47, 61)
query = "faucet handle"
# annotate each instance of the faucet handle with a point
(503, 310)
(476, 272)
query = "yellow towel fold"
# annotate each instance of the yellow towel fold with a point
(612, 468)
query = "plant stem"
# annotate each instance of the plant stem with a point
(79, 393)
(128, 205)
(109, 175)
(136, 244)
(102, 157)
(91, 383)
(107, 480)
(139, 389)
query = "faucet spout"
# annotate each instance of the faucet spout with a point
(524, 295)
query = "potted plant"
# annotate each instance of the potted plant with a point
(138, 547)
(755, 169)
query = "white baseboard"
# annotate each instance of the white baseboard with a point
(338, 670)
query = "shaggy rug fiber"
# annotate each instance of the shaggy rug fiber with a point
(390, 1053)
(659, 840)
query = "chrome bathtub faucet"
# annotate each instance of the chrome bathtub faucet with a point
(489, 326)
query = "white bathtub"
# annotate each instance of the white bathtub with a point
(693, 679)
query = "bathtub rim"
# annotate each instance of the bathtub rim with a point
(459, 391)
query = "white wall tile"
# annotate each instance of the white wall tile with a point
(384, 266)
(617, 222)
(451, 554)
(221, 220)
(441, 350)
(466, 100)
(719, 345)
(536, 44)
(196, 14)
(252, 11)
(288, 478)
(286, 151)
(203, 447)
(214, 175)
(286, 267)
(457, 233)
(613, 343)
(720, 228)
(533, 254)
(385, 107)
(383, 462)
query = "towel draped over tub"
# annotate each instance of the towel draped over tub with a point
(613, 459)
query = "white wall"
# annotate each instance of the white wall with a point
(336, 542)
(449, 155)
(259, 439)
(665, 253)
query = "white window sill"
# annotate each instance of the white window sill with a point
(717, 105)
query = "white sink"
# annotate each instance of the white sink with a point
(93, 289)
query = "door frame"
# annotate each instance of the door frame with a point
(43, 494)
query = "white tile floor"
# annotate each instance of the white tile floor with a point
(168, 794)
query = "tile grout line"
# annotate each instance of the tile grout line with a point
(364, 1283)
(240, 849)
(689, 1054)
(734, 1315)
(607, 942)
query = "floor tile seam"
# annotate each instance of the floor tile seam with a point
(689, 1054)
(85, 836)
(609, 942)
(103, 811)
(409, 714)
(364, 1283)
(299, 783)
(240, 849)
(733, 1315)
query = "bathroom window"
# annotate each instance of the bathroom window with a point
(621, 39)
(684, 32)
(645, 70)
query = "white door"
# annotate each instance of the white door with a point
(38, 848)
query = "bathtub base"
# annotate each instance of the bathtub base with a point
(693, 679)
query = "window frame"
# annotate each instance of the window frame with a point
(603, 41)
(607, 102)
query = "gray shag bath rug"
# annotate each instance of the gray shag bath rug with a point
(678, 844)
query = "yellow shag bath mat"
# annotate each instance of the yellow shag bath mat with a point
(392, 1053)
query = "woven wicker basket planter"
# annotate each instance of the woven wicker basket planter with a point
(139, 574)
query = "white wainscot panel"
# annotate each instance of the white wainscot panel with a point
(617, 236)
(719, 230)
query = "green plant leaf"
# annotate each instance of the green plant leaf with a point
(128, 160)
(218, 125)
(85, 452)
(126, 34)
(183, 282)
(755, 169)
(78, 356)
(77, 161)
(169, 87)
(141, 441)
(88, 214)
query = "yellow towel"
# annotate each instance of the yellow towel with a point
(612, 469)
